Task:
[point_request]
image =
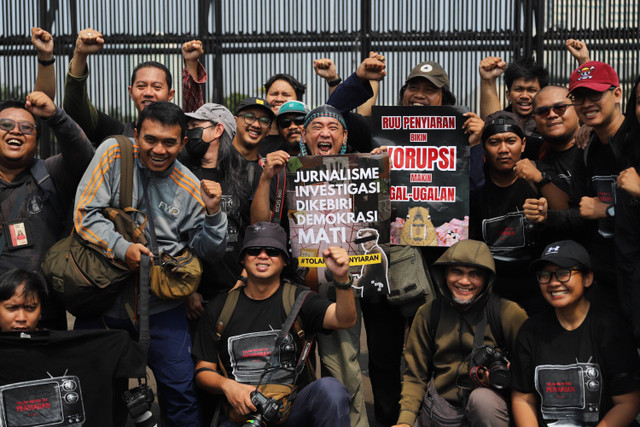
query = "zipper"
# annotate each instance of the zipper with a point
(411, 256)
(74, 264)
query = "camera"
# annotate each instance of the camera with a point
(492, 360)
(267, 410)
(139, 401)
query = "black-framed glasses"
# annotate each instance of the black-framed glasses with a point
(559, 109)
(562, 275)
(257, 250)
(285, 122)
(26, 128)
(250, 118)
(592, 95)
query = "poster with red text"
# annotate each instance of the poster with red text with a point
(429, 157)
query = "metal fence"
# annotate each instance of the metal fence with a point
(246, 41)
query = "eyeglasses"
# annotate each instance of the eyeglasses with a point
(26, 128)
(563, 276)
(592, 95)
(257, 250)
(559, 109)
(250, 118)
(286, 122)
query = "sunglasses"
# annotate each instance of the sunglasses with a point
(286, 122)
(559, 109)
(26, 128)
(562, 275)
(592, 95)
(257, 250)
(250, 118)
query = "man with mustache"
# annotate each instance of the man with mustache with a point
(325, 133)
(151, 81)
(561, 164)
(290, 121)
(185, 212)
(496, 210)
(595, 90)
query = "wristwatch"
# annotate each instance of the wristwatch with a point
(335, 82)
(546, 178)
(46, 62)
(611, 211)
(343, 286)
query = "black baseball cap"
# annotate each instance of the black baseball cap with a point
(565, 254)
(255, 102)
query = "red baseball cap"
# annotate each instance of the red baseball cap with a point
(594, 75)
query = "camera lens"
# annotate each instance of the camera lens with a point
(146, 420)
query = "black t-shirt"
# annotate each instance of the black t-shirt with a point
(221, 276)
(498, 220)
(501, 223)
(249, 336)
(575, 373)
(603, 172)
(65, 377)
(568, 172)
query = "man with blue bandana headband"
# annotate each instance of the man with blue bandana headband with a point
(325, 134)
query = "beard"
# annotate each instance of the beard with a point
(464, 302)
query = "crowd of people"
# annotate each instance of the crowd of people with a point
(530, 321)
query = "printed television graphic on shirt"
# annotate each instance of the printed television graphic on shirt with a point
(55, 401)
(331, 198)
(429, 157)
(569, 392)
(248, 354)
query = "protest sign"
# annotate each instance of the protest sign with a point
(429, 156)
(338, 201)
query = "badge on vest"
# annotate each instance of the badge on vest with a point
(17, 234)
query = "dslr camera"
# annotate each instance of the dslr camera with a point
(139, 400)
(490, 359)
(267, 410)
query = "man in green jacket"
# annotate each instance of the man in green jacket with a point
(445, 361)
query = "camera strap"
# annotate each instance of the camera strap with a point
(274, 360)
(143, 301)
(281, 187)
(478, 338)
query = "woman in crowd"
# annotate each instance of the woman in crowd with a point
(21, 295)
(576, 364)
